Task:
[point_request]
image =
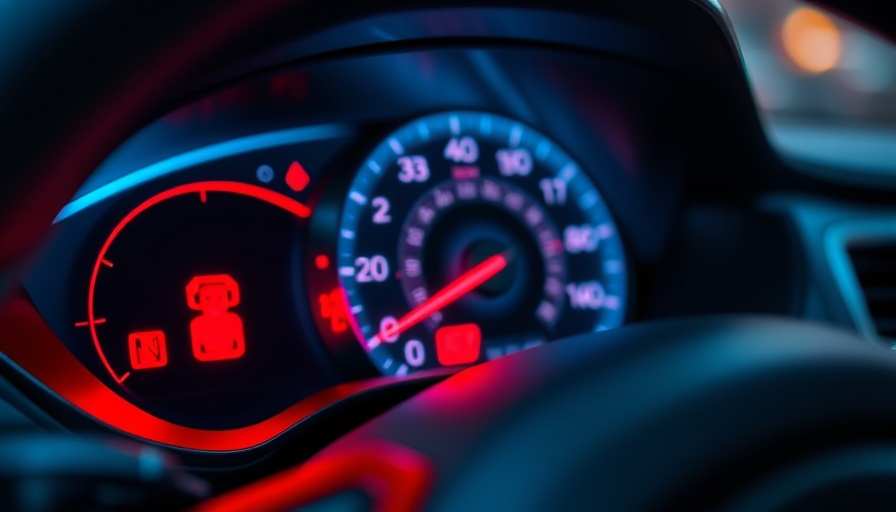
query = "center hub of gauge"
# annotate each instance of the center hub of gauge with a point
(460, 224)
(482, 250)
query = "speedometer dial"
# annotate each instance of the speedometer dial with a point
(466, 236)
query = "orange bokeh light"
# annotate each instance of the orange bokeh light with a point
(811, 40)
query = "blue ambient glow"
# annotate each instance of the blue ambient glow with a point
(203, 155)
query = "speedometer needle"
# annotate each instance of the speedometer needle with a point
(461, 286)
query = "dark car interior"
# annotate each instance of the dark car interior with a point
(278, 255)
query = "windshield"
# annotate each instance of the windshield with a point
(826, 86)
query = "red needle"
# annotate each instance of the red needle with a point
(461, 286)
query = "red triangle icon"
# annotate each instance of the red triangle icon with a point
(296, 177)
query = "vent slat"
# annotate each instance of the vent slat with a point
(875, 268)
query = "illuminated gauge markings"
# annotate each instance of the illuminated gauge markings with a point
(466, 236)
(189, 307)
(504, 218)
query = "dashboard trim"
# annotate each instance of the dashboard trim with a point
(202, 155)
(29, 344)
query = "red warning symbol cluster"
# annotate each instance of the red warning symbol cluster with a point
(216, 334)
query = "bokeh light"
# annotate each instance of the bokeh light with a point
(811, 40)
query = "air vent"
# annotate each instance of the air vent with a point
(874, 264)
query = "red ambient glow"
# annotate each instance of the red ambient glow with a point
(217, 334)
(296, 177)
(147, 350)
(394, 477)
(29, 341)
(458, 344)
(322, 261)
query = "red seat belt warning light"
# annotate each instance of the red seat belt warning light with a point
(217, 334)
(458, 344)
(147, 350)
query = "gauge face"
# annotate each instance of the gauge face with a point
(466, 236)
(191, 309)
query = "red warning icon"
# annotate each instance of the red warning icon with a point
(458, 344)
(217, 334)
(147, 350)
(296, 177)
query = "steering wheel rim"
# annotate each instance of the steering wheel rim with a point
(579, 422)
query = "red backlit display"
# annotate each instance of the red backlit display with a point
(458, 344)
(217, 334)
(332, 308)
(210, 275)
(104, 262)
(465, 172)
(147, 350)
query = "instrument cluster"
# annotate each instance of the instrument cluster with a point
(253, 250)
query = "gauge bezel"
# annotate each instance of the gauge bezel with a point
(332, 249)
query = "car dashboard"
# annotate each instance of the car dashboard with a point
(325, 229)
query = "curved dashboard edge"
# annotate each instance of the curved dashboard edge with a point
(198, 156)
(32, 346)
